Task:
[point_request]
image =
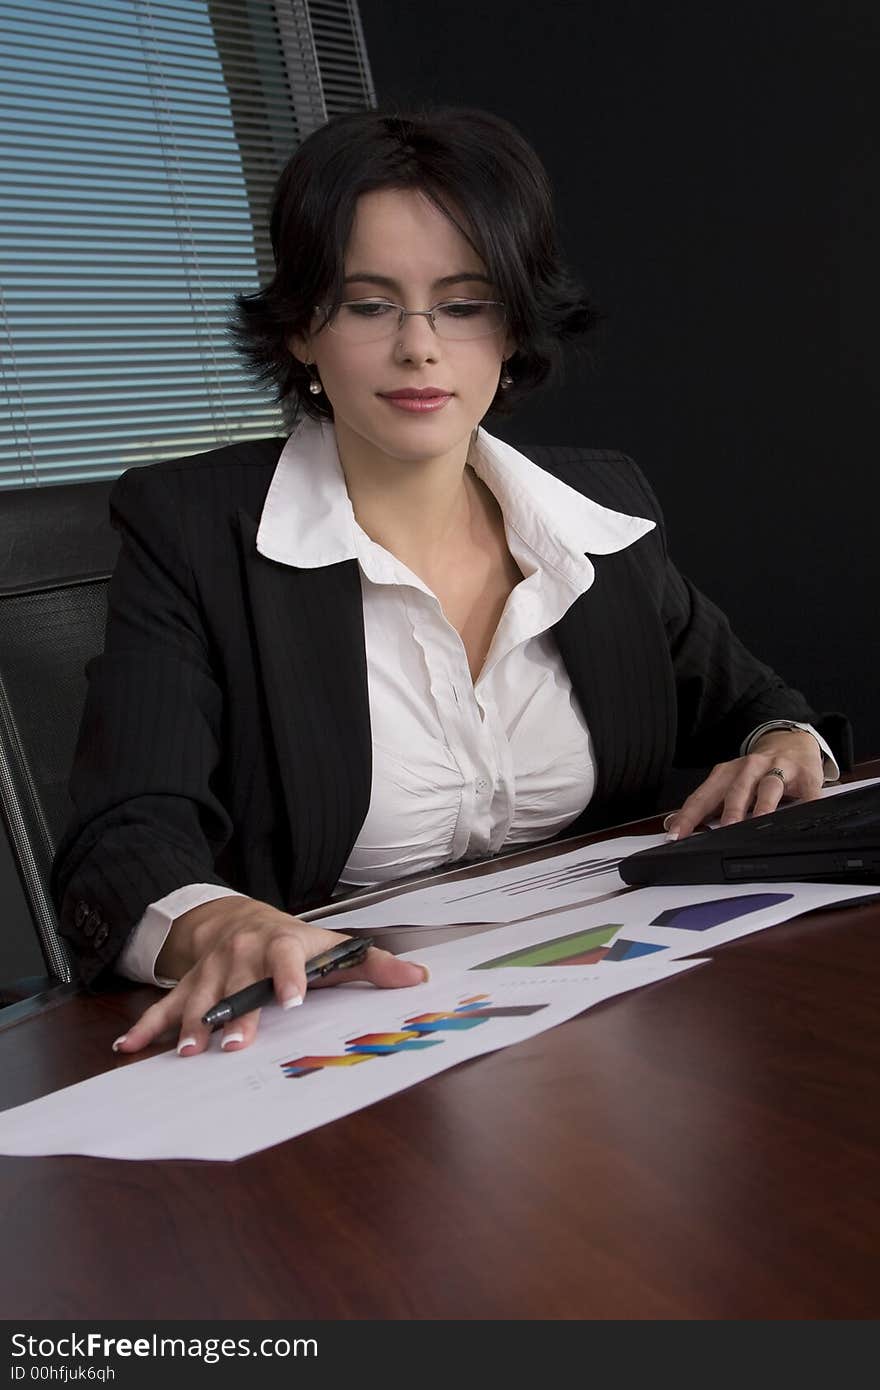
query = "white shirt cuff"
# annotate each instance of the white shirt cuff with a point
(830, 768)
(138, 958)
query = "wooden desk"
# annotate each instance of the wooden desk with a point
(707, 1147)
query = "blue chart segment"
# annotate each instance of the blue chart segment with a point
(703, 916)
(631, 950)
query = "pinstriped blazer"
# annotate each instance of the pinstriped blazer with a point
(226, 732)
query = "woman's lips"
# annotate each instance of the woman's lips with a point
(417, 404)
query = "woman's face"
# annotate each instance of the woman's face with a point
(403, 249)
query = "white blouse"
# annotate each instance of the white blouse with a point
(459, 768)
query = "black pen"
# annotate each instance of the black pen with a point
(339, 957)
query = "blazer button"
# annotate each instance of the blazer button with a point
(101, 935)
(92, 923)
(81, 912)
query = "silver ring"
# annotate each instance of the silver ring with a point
(776, 772)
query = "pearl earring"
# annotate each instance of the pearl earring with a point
(315, 384)
(506, 380)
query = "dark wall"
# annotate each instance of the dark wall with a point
(716, 172)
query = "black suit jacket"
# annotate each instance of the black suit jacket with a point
(226, 733)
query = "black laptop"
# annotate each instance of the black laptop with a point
(833, 840)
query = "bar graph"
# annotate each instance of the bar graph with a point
(578, 948)
(716, 911)
(415, 1035)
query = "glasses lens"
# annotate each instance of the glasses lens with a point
(368, 320)
(468, 318)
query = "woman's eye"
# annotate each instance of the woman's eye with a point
(369, 308)
(462, 309)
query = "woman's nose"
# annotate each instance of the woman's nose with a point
(416, 339)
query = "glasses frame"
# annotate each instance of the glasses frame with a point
(403, 314)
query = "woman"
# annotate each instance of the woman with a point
(392, 641)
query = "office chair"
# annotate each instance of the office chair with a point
(57, 551)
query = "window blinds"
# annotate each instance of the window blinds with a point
(139, 143)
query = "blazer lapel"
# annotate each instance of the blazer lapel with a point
(614, 648)
(310, 638)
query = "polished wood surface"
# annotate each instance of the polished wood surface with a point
(706, 1147)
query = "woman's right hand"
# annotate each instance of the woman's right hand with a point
(221, 946)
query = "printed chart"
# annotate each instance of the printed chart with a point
(348, 1047)
(715, 912)
(417, 1033)
(579, 948)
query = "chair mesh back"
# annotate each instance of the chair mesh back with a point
(46, 639)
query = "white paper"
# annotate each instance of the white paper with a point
(837, 787)
(226, 1105)
(698, 918)
(507, 895)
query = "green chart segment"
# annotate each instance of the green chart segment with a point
(580, 948)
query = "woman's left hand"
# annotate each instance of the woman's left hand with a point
(747, 785)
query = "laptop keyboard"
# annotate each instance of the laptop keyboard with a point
(857, 811)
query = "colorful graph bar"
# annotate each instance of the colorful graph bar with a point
(630, 950)
(415, 1034)
(716, 911)
(579, 948)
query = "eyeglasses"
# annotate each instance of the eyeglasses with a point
(369, 320)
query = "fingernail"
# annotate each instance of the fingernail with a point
(187, 1042)
(290, 1001)
(425, 971)
(673, 835)
(119, 1041)
(231, 1038)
